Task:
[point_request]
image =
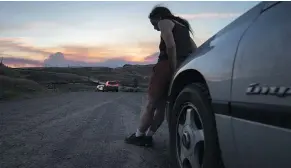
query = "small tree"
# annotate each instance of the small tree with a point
(135, 83)
(1, 63)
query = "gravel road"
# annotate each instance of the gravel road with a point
(77, 130)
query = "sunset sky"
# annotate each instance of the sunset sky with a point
(98, 33)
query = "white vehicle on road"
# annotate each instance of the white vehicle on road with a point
(99, 88)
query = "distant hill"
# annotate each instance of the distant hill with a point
(14, 81)
(125, 74)
(14, 84)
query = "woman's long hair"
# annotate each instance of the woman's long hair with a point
(164, 13)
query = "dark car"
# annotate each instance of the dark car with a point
(111, 86)
(229, 104)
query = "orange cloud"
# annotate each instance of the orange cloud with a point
(20, 62)
(130, 52)
(14, 46)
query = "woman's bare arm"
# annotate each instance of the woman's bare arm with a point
(193, 45)
(166, 27)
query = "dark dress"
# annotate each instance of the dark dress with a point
(162, 73)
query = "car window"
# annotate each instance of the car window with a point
(112, 83)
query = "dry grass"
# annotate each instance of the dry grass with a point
(124, 74)
(22, 81)
(14, 87)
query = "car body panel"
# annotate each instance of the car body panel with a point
(214, 58)
(111, 86)
(226, 139)
(232, 60)
(261, 145)
(261, 112)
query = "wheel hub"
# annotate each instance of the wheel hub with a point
(186, 141)
(189, 135)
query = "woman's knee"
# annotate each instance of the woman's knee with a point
(161, 109)
(151, 104)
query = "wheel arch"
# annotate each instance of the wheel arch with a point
(182, 80)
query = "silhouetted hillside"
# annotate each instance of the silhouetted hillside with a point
(18, 81)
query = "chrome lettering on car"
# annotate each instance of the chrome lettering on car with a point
(253, 89)
(280, 91)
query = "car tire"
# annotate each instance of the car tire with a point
(195, 96)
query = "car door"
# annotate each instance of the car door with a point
(261, 93)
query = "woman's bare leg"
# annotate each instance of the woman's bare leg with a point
(147, 116)
(159, 117)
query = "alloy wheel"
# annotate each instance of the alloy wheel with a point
(190, 141)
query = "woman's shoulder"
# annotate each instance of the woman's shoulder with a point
(166, 23)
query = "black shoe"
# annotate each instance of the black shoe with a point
(139, 141)
(148, 141)
(132, 139)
